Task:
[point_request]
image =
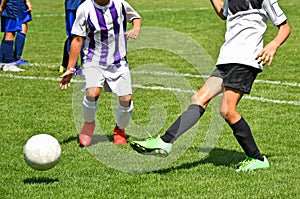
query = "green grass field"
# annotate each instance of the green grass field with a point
(177, 47)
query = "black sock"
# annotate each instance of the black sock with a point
(184, 122)
(243, 134)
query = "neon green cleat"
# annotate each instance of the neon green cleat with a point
(61, 70)
(250, 164)
(152, 146)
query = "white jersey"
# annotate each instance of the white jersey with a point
(246, 24)
(104, 28)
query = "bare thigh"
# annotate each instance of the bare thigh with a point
(211, 88)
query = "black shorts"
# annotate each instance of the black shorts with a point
(237, 76)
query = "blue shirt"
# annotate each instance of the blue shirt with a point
(12, 9)
(72, 4)
(23, 5)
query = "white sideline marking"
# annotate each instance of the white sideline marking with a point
(48, 15)
(155, 10)
(293, 84)
(174, 9)
(206, 76)
(261, 99)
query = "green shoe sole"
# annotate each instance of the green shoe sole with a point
(146, 151)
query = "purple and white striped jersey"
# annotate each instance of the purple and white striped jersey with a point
(104, 28)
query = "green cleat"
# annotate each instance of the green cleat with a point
(152, 146)
(250, 164)
(61, 70)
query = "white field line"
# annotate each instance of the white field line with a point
(174, 9)
(150, 10)
(48, 15)
(141, 11)
(261, 99)
(293, 84)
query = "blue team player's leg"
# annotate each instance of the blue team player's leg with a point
(7, 48)
(70, 18)
(9, 26)
(20, 40)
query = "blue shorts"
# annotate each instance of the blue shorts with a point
(70, 18)
(26, 16)
(10, 24)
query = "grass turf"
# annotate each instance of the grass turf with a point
(32, 103)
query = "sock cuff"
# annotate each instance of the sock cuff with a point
(19, 34)
(89, 104)
(8, 41)
(196, 107)
(126, 109)
(237, 124)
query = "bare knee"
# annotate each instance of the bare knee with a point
(125, 100)
(200, 99)
(92, 94)
(9, 36)
(224, 114)
(230, 116)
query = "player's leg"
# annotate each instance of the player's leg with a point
(161, 146)
(237, 82)
(89, 109)
(19, 45)
(121, 86)
(65, 58)
(7, 46)
(90, 104)
(6, 53)
(230, 99)
(124, 113)
(21, 37)
(70, 16)
(241, 131)
(199, 101)
(66, 53)
(93, 82)
(9, 26)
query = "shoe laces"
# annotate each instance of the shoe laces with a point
(247, 161)
(151, 137)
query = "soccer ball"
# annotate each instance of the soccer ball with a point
(42, 152)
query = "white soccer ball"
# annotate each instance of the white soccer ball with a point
(42, 152)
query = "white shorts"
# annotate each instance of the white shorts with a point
(113, 79)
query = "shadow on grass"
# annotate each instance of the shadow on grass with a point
(68, 140)
(96, 139)
(217, 157)
(40, 180)
(105, 138)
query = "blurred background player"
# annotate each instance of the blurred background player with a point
(21, 35)
(241, 58)
(70, 15)
(101, 24)
(10, 25)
